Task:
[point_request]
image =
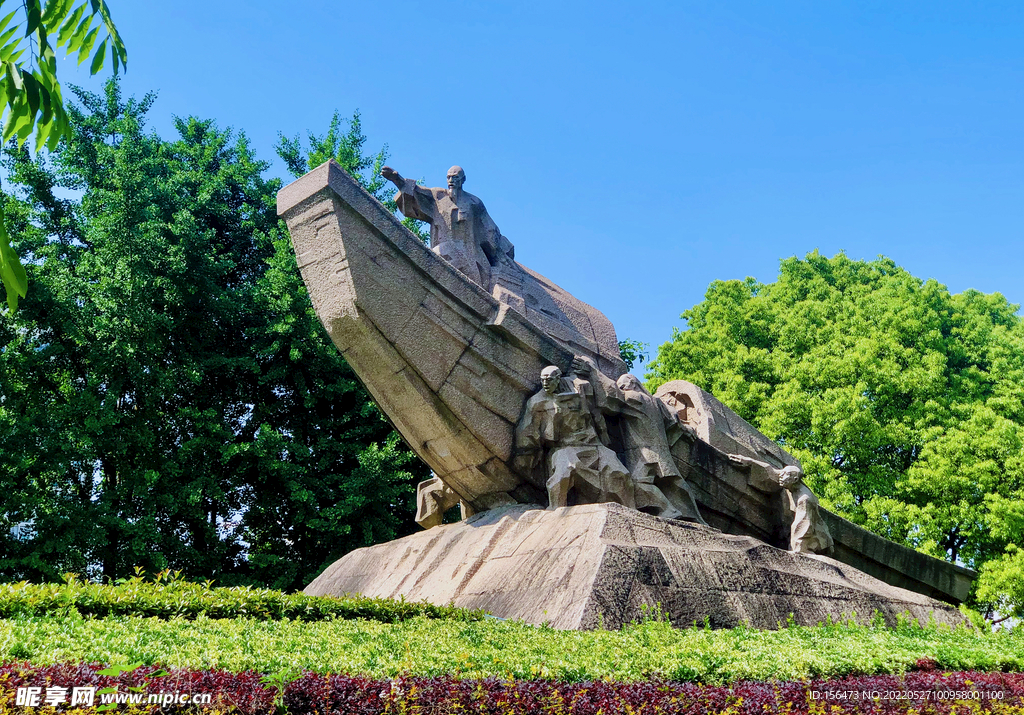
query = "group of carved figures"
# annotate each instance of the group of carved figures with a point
(564, 427)
(564, 431)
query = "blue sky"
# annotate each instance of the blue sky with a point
(634, 152)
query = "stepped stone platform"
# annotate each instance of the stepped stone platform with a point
(582, 567)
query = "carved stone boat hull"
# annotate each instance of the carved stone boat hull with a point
(452, 365)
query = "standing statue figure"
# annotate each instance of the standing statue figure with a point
(660, 489)
(562, 427)
(808, 533)
(461, 230)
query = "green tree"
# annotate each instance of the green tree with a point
(123, 376)
(325, 470)
(346, 148)
(333, 474)
(168, 398)
(904, 403)
(30, 95)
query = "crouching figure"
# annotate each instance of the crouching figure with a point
(563, 429)
(808, 533)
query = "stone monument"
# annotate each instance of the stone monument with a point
(584, 497)
(808, 532)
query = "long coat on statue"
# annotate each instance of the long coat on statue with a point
(461, 231)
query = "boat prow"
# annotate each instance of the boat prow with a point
(449, 363)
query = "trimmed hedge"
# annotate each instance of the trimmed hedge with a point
(924, 691)
(508, 649)
(169, 597)
(247, 692)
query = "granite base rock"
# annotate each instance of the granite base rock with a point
(603, 565)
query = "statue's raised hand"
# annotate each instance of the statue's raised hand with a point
(391, 175)
(580, 366)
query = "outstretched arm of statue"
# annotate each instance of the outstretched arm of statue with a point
(607, 394)
(763, 476)
(413, 201)
(393, 176)
(741, 460)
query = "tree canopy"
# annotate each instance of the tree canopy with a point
(346, 148)
(168, 398)
(904, 402)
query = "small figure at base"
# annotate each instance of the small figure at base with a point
(808, 533)
(433, 499)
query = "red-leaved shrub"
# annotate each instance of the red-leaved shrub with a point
(925, 691)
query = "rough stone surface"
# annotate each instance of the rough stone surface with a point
(731, 503)
(808, 531)
(600, 564)
(465, 235)
(563, 435)
(719, 426)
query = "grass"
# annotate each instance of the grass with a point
(479, 649)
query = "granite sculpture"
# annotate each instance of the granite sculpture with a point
(563, 430)
(605, 565)
(453, 351)
(433, 499)
(808, 532)
(645, 423)
(461, 230)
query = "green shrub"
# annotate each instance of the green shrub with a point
(168, 596)
(507, 649)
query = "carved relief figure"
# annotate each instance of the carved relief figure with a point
(681, 405)
(562, 428)
(660, 488)
(808, 532)
(433, 499)
(461, 230)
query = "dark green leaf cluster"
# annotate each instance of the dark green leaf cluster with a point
(173, 597)
(168, 396)
(30, 95)
(905, 403)
(633, 352)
